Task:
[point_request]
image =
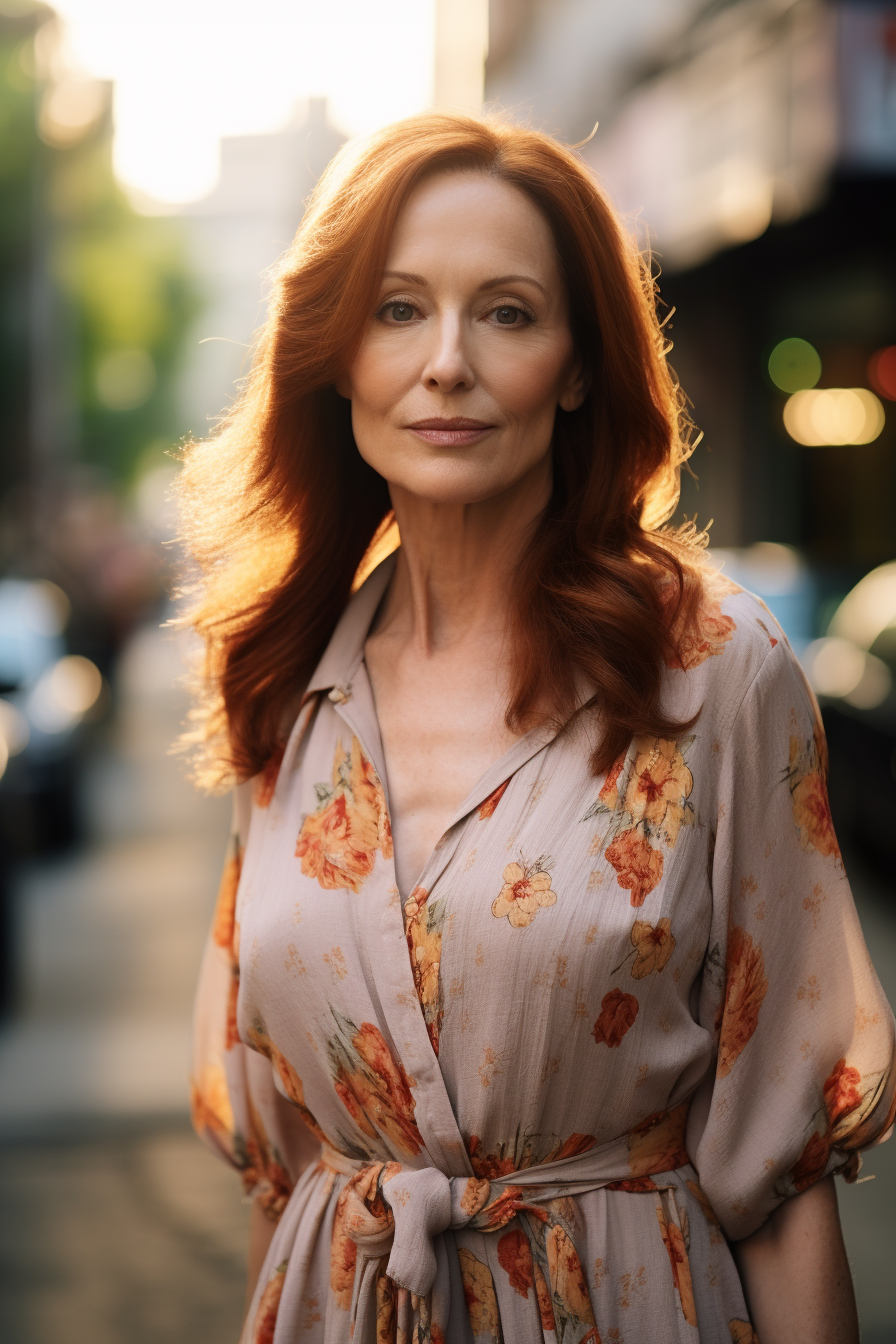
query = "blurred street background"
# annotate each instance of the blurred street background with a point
(154, 161)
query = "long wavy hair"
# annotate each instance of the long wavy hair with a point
(282, 517)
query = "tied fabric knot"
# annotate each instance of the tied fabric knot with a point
(387, 1208)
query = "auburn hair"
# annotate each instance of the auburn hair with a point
(282, 517)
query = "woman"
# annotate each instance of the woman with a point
(535, 979)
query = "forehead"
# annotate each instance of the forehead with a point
(474, 218)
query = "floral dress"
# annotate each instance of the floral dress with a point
(615, 1024)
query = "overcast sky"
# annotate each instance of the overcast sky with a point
(187, 72)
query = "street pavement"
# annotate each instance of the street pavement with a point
(116, 1226)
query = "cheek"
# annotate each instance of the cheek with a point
(528, 382)
(380, 375)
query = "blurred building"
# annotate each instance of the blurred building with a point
(236, 234)
(753, 142)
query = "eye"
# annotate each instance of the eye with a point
(397, 312)
(511, 315)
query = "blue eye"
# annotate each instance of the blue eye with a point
(400, 312)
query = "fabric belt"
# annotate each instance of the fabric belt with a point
(388, 1208)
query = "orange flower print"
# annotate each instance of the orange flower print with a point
(526, 1150)
(811, 810)
(479, 1291)
(658, 788)
(742, 1332)
(657, 1143)
(678, 1259)
(292, 1083)
(266, 1178)
(617, 1013)
(268, 1306)
(638, 864)
(423, 922)
(263, 1173)
(372, 1086)
(609, 791)
(266, 781)
(386, 1307)
(545, 1305)
(223, 925)
(490, 1166)
(338, 843)
(842, 1096)
(489, 807)
(653, 946)
(231, 1030)
(210, 1106)
(811, 1163)
(343, 1256)
(637, 1185)
(745, 989)
(841, 1093)
(709, 630)
(515, 1258)
(526, 890)
(566, 1276)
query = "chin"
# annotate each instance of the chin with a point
(454, 483)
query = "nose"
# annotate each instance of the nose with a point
(448, 367)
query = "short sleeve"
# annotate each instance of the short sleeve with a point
(804, 1037)
(236, 1108)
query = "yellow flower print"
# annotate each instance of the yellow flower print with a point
(742, 1332)
(424, 921)
(659, 787)
(653, 946)
(526, 890)
(479, 1291)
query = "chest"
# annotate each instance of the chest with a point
(441, 724)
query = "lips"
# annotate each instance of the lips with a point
(455, 430)
(449, 423)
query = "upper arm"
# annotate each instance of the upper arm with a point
(804, 1036)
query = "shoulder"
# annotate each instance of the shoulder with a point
(731, 639)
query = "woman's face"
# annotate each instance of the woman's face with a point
(457, 381)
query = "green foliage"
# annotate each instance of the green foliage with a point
(20, 153)
(121, 283)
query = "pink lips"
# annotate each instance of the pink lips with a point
(450, 430)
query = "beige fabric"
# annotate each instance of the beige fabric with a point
(640, 978)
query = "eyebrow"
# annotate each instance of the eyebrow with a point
(495, 283)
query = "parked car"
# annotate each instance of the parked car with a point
(45, 694)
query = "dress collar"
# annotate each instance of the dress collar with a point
(342, 656)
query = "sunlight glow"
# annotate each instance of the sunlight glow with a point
(188, 72)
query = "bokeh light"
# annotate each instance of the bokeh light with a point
(64, 694)
(868, 609)
(833, 415)
(882, 372)
(794, 365)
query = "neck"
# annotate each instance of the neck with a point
(456, 562)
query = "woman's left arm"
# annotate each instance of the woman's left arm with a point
(795, 1273)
